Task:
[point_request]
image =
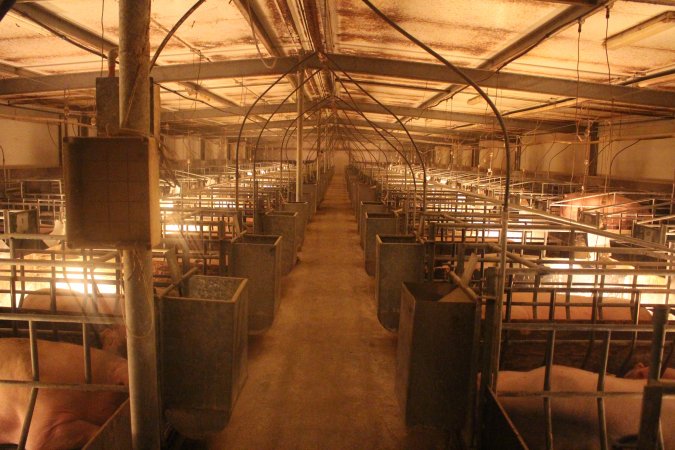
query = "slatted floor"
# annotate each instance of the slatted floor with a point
(323, 376)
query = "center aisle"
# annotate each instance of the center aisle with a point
(323, 376)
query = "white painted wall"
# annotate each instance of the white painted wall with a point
(491, 154)
(556, 153)
(463, 156)
(647, 160)
(453, 155)
(183, 147)
(341, 160)
(442, 156)
(216, 149)
(28, 144)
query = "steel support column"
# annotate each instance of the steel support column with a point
(318, 149)
(299, 132)
(134, 19)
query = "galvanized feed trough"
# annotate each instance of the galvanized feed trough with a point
(377, 223)
(284, 224)
(203, 353)
(309, 194)
(365, 207)
(258, 258)
(434, 355)
(364, 193)
(398, 259)
(302, 208)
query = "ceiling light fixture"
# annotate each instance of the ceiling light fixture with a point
(641, 31)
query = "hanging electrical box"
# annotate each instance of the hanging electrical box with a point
(112, 191)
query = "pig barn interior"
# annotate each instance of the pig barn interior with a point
(337, 224)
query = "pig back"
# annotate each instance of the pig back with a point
(56, 410)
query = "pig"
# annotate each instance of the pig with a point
(574, 203)
(113, 337)
(610, 313)
(62, 419)
(641, 372)
(575, 425)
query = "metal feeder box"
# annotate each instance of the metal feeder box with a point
(203, 353)
(434, 355)
(377, 223)
(302, 208)
(112, 191)
(258, 258)
(399, 259)
(309, 195)
(284, 224)
(352, 179)
(365, 207)
(364, 193)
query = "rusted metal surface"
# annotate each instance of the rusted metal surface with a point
(473, 35)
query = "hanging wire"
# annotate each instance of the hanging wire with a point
(171, 32)
(489, 379)
(102, 36)
(293, 68)
(255, 38)
(609, 82)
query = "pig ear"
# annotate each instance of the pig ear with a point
(639, 366)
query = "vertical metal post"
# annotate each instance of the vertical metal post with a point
(298, 150)
(134, 19)
(659, 321)
(650, 435)
(318, 153)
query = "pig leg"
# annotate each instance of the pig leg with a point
(63, 435)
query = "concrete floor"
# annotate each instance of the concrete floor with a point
(323, 376)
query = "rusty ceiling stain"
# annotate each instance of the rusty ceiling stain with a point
(466, 32)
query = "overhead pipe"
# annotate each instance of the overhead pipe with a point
(355, 107)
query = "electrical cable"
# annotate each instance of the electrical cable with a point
(255, 148)
(171, 32)
(609, 170)
(391, 113)
(489, 379)
(609, 80)
(102, 35)
(465, 78)
(248, 112)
